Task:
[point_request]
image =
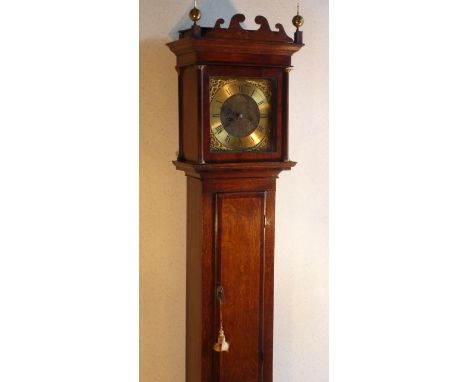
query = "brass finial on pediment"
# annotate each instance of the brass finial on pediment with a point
(298, 21)
(195, 14)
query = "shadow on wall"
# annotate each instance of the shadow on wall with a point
(163, 207)
(162, 220)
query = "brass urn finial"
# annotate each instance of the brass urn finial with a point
(298, 20)
(195, 13)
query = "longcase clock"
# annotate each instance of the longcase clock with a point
(233, 143)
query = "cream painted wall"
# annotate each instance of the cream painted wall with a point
(301, 265)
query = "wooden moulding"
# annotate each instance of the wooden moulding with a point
(234, 170)
(197, 44)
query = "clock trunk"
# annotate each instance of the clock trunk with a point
(230, 232)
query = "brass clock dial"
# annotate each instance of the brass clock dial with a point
(240, 116)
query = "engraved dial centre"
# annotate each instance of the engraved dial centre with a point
(240, 115)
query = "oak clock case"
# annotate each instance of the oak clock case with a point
(233, 144)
